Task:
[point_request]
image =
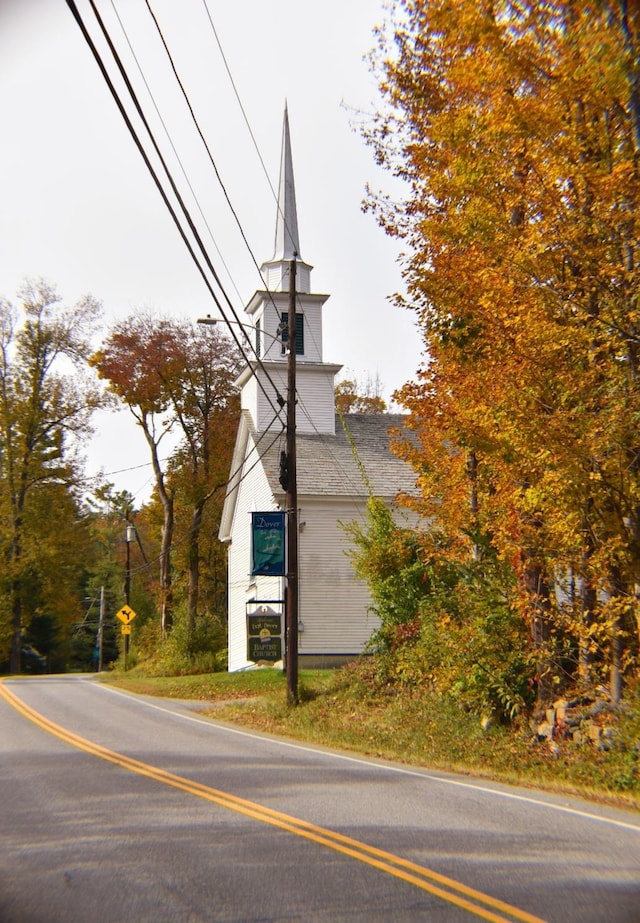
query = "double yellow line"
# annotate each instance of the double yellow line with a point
(449, 890)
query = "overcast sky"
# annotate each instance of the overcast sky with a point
(79, 208)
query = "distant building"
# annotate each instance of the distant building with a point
(335, 621)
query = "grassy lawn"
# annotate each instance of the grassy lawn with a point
(413, 727)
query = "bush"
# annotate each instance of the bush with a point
(181, 653)
(444, 624)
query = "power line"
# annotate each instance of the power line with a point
(208, 150)
(200, 132)
(154, 175)
(74, 10)
(242, 109)
(225, 484)
(246, 119)
(173, 146)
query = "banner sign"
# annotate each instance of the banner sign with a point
(267, 545)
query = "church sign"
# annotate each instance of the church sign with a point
(267, 544)
(264, 636)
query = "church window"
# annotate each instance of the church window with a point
(284, 327)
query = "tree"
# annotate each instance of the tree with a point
(104, 578)
(352, 397)
(176, 378)
(45, 406)
(516, 128)
(207, 406)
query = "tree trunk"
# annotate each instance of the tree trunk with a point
(15, 659)
(615, 672)
(474, 506)
(166, 587)
(194, 567)
(539, 604)
(166, 499)
(587, 601)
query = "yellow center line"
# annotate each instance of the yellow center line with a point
(454, 892)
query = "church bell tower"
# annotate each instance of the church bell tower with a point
(268, 312)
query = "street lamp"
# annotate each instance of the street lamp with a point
(259, 332)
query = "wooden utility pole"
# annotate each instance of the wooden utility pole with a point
(291, 598)
(101, 629)
(128, 538)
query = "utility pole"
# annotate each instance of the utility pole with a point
(291, 598)
(130, 530)
(101, 630)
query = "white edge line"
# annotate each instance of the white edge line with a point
(371, 763)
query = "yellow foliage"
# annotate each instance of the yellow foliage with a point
(518, 130)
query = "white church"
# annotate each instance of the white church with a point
(334, 617)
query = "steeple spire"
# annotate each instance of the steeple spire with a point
(287, 244)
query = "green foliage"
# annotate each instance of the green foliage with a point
(183, 652)
(45, 405)
(388, 558)
(443, 625)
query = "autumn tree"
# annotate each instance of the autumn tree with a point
(207, 406)
(177, 379)
(46, 401)
(517, 129)
(354, 397)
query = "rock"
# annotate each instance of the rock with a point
(545, 731)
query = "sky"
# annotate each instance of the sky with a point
(79, 208)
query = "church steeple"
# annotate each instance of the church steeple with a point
(268, 311)
(287, 240)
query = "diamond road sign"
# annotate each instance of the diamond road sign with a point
(126, 615)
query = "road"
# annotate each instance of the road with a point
(121, 808)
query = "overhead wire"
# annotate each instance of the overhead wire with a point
(192, 227)
(198, 128)
(98, 58)
(242, 109)
(173, 146)
(232, 481)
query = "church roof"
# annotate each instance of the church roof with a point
(327, 465)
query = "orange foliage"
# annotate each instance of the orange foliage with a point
(517, 128)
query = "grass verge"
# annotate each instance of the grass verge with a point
(337, 709)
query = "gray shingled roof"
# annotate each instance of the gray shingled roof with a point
(327, 466)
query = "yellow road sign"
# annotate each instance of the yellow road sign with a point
(126, 615)
(126, 629)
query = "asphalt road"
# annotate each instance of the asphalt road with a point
(118, 808)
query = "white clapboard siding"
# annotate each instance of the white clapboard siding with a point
(315, 410)
(312, 326)
(334, 606)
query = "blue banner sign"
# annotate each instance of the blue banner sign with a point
(267, 545)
